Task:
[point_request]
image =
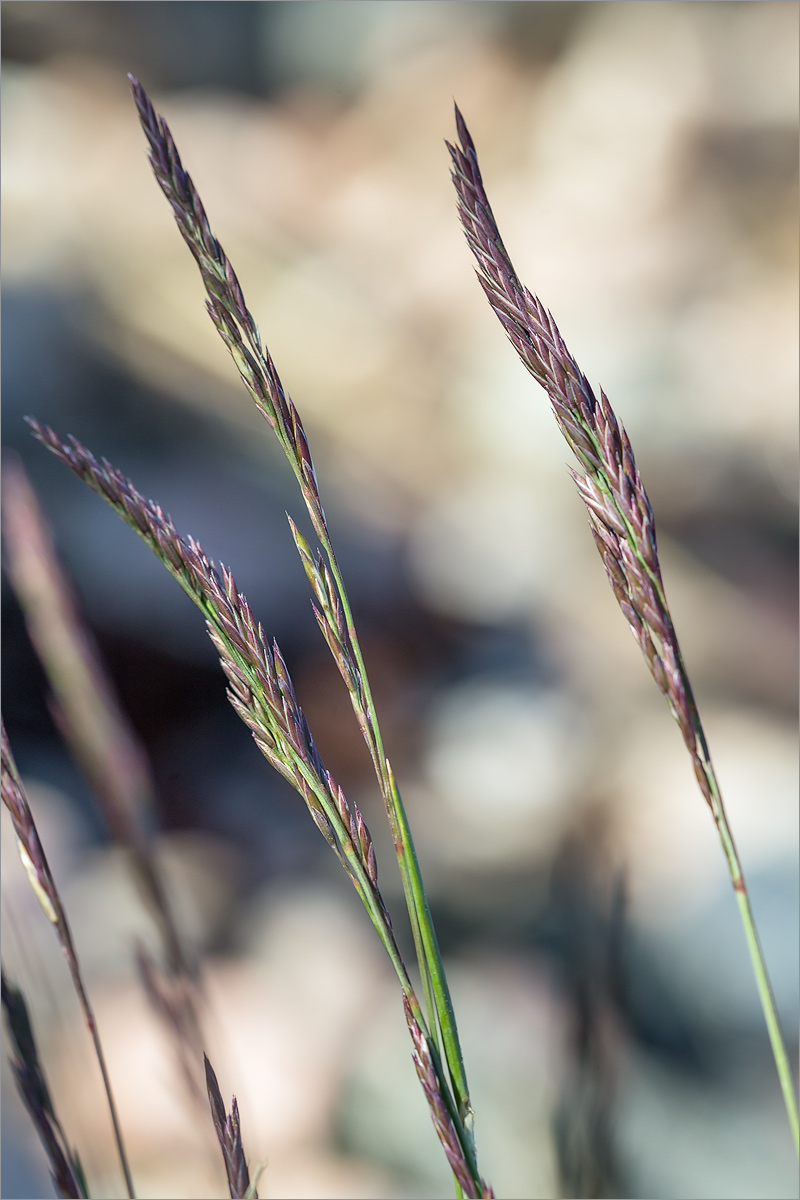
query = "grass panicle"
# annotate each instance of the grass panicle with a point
(65, 1166)
(621, 521)
(235, 324)
(230, 1139)
(225, 301)
(261, 692)
(259, 686)
(620, 514)
(36, 866)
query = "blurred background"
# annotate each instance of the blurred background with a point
(642, 164)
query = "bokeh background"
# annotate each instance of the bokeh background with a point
(642, 163)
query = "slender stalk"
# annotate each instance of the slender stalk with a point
(756, 952)
(41, 878)
(440, 1005)
(621, 520)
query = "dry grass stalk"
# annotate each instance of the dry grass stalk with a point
(621, 520)
(85, 707)
(173, 999)
(65, 1166)
(35, 862)
(84, 702)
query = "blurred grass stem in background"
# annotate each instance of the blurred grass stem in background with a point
(37, 868)
(622, 523)
(66, 1170)
(94, 726)
(83, 702)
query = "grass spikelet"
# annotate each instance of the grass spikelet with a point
(229, 1135)
(441, 1116)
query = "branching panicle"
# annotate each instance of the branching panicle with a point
(260, 687)
(619, 509)
(621, 520)
(225, 302)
